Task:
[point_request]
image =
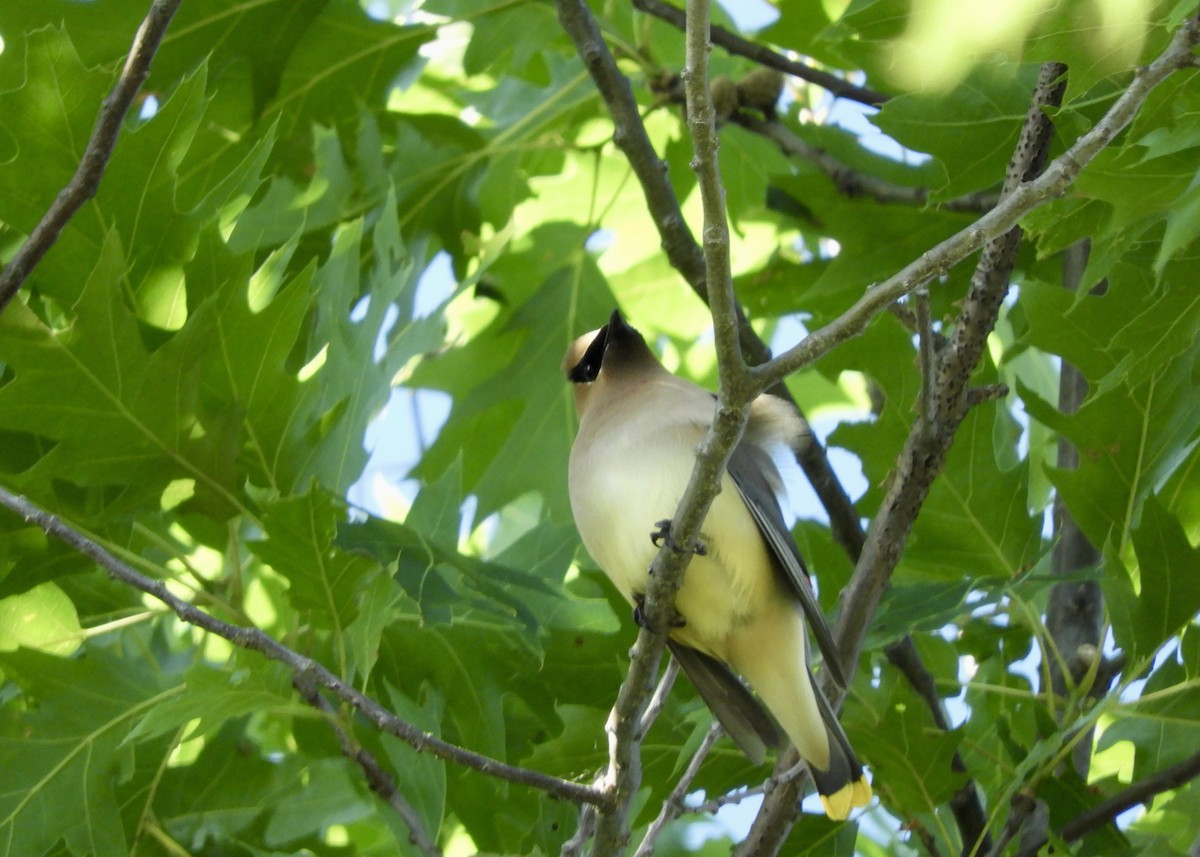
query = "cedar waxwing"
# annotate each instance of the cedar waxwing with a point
(744, 600)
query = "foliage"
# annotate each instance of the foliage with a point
(188, 376)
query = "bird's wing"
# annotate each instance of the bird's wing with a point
(749, 466)
(738, 710)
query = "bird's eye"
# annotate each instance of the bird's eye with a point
(588, 367)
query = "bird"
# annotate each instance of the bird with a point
(746, 598)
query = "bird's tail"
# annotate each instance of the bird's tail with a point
(843, 785)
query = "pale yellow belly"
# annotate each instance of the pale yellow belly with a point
(620, 489)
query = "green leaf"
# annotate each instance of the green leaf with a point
(1163, 727)
(1169, 595)
(326, 792)
(132, 414)
(511, 419)
(380, 607)
(975, 517)
(1183, 225)
(214, 697)
(43, 618)
(45, 122)
(909, 756)
(61, 755)
(224, 791)
(1131, 439)
(441, 580)
(971, 129)
(424, 782)
(326, 582)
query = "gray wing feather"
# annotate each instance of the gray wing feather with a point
(749, 468)
(739, 711)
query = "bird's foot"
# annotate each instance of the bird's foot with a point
(663, 534)
(639, 614)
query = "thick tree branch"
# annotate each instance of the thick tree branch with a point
(305, 670)
(926, 446)
(1141, 791)
(765, 56)
(84, 183)
(1075, 611)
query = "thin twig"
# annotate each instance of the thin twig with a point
(1023, 806)
(381, 782)
(573, 847)
(985, 393)
(733, 798)
(84, 183)
(925, 837)
(655, 706)
(854, 183)
(673, 806)
(732, 412)
(765, 56)
(304, 669)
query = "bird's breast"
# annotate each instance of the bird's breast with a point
(622, 483)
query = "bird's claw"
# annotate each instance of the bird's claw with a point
(639, 614)
(663, 534)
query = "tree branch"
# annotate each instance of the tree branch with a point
(681, 249)
(659, 699)
(1141, 791)
(812, 457)
(926, 446)
(84, 183)
(381, 782)
(733, 408)
(673, 806)
(573, 847)
(1075, 610)
(854, 183)
(1019, 200)
(925, 346)
(305, 670)
(765, 56)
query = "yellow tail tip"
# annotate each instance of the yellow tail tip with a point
(838, 805)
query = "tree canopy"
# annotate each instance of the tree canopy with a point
(968, 231)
